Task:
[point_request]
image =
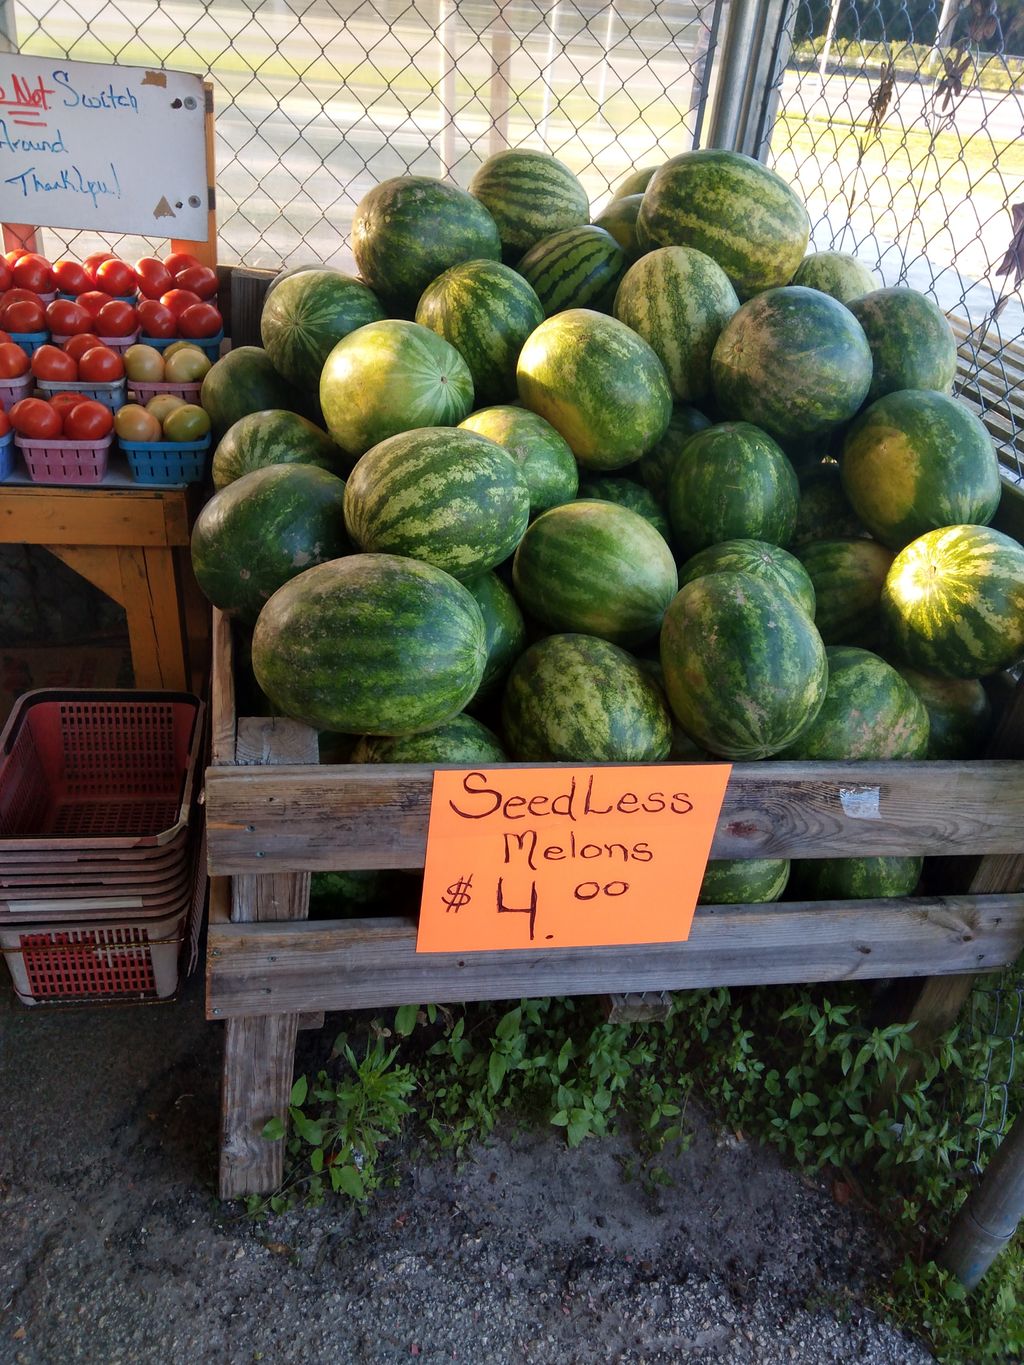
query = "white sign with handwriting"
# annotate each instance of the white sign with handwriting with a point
(115, 148)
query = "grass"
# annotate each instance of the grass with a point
(994, 71)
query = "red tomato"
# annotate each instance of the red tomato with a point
(200, 279)
(13, 361)
(94, 260)
(35, 273)
(78, 345)
(153, 276)
(101, 365)
(64, 402)
(177, 300)
(71, 278)
(23, 315)
(88, 421)
(4, 336)
(178, 261)
(65, 318)
(5, 423)
(116, 277)
(16, 254)
(201, 320)
(35, 418)
(94, 299)
(116, 319)
(50, 362)
(157, 321)
(6, 279)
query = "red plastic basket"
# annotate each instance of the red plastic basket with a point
(55, 461)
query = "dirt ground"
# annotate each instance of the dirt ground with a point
(114, 1248)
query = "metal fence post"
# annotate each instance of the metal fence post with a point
(754, 53)
(989, 1216)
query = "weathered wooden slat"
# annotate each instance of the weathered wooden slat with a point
(370, 964)
(223, 716)
(375, 816)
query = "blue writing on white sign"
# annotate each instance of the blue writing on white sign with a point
(69, 181)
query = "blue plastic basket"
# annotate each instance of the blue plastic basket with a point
(112, 395)
(120, 298)
(210, 346)
(30, 341)
(167, 461)
(6, 456)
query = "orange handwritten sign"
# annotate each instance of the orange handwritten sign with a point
(566, 857)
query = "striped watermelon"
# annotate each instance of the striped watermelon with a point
(579, 267)
(273, 437)
(733, 209)
(959, 713)
(824, 512)
(486, 310)
(743, 881)
(627, 493)
(262, 530)
(793, 361)
(595, 568)
(460, 740)
(504, 627)
(307, 315)
(598, 384)
(656, 466)
(241, 382)
(619, 218)
(912, 344)
(529, 195)
(370, 645)
(448, 497)
(390, 377)
(744, 666)
(953, 602)
(914, 461)
(835, 273)
(848, 576)
(544, 458)
(577, 699)
(774, 565)
(855, 878)
(731, 482)
(635, 182)
(678, 300)
(408, 230)
(868, 712)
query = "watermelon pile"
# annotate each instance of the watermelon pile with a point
(650, 482)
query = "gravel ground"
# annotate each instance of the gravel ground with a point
(113, 1247)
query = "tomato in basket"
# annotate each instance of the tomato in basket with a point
(157, 320)
(5, 423)
(200, 279)
(23, 315)
(153, 276)
(201, 320)
(88, 421)
(117, 319)
(177, 300)
(78, 345)
(66, 318)
(100, 365)
(70, 277)
(178, 261)
(50, 362)
(34, 272)
(93, 262)
(116, 277)
(14, 363)
(35, 418)
(64, 402)
(94, 300)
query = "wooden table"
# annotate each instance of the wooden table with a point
(131, 542)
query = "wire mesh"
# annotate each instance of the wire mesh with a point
(901, 123)
(996, 1017)
(318, 100)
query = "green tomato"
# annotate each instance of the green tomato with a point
(187, 423)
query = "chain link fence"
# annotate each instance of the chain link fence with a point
(318, 100)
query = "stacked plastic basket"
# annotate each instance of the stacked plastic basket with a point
(100, 866)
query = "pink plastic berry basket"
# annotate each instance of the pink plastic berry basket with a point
(144, 392)
(65, 462)
(12, 390)
(118, 344)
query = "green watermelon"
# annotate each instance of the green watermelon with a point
(486, 310)
(915, 461)
(460, 740)
(744, 666)
(595, 568)
(655, 467)
(241, 382)
(579, 267)
(577, 699)
(824, 512)
(291, 270)
(733, 209)
(953, 602)
(619, 218)
(442, 495)
(848, 576)
(959, 713)
(793, 361)
(408, 230)
(774, 565)
(912, 344)
(273, 437)
(836, 273)
(504, 627)
(529, 195)
(855, 878)
(390, 377)
(678, 300)
(370, 645)
(598, 384)
(731, 482)
(544, 458)
(743, 881)
(634, 182)
(611, 488)
(306, 317)
(262, 530)
(868, 712)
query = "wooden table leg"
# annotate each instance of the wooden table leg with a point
(156, 631)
